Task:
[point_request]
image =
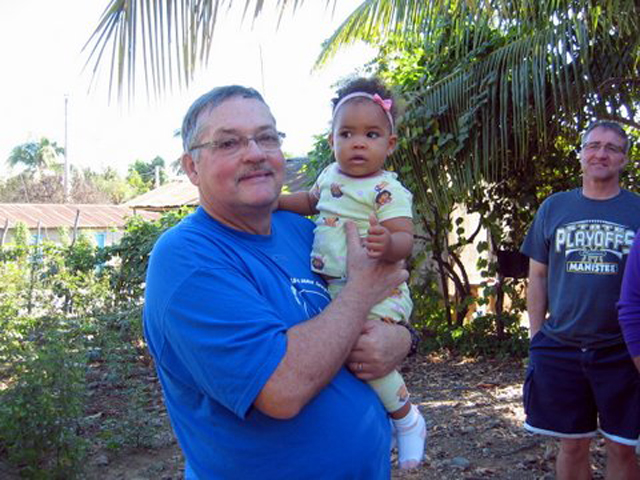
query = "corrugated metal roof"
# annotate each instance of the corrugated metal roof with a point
(51, 215)
(169, 195)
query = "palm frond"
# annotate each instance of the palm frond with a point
(172, 38)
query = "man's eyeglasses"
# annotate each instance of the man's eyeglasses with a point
(269, 141)
(608, 147)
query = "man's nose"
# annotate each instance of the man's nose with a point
(252, 151)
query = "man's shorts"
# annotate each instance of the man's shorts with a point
(567, 390)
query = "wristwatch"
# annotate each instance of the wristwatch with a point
(415, 337)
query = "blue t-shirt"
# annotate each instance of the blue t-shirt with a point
(217, 308)
(584, 243)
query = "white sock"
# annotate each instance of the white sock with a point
(411, 432)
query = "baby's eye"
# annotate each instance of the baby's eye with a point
(345, 134)
(373, 135)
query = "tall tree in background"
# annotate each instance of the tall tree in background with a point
(36, 156)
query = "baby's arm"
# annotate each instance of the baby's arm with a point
(391, 240)
(303, 203)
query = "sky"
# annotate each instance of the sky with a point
(42, 63)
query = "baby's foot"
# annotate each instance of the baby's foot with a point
(411, 432)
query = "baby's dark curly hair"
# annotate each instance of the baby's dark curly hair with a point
(367, 85)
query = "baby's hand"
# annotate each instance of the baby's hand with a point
(379, 238)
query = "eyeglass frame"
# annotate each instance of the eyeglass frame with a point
(244, 140)
(611, 148)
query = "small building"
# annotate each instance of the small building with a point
(103, 223)
(176, 194)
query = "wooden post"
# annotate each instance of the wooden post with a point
(75, 227)
(5, 231)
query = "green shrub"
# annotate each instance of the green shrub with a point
(67, 313)
(41, 404)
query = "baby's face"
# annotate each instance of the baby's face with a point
(361, 138)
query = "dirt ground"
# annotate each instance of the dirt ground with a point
(473, 410)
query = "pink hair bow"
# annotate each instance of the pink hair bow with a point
(386, 104)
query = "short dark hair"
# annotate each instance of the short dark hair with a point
(371, 86)
(608, 125)
(208, 101)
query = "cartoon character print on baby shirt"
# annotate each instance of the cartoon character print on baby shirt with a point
(383, 196)
(336, 190)
(331, 221)
(317, 262)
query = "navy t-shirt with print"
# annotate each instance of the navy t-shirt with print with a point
(585, 243)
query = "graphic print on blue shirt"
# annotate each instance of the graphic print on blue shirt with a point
(593, 246)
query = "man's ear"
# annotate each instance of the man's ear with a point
(625, 161)
(190, 167)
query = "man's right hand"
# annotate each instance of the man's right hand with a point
(536, 296)
(373, 279)
(319, 347)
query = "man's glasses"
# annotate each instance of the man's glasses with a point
(608, 147)
(269, 141)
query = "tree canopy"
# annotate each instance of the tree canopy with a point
(36, 155)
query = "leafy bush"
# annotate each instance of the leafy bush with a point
(69, 313)
(42, 401)
(127, 261)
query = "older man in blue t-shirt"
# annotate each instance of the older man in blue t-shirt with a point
(248, 348)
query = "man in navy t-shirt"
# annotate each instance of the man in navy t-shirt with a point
(581, 378)
(248, 347)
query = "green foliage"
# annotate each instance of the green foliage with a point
(479, 337)
(128, 259)
(319, 157)
(65, 335)
(21, 235)
(42, 362)
(118, 349)
(141, 175)
(36, 156)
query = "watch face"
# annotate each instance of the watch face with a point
(415, 337)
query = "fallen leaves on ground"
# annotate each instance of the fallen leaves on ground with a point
(474, 414)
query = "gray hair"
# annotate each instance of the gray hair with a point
(608, 125)
(207, 102)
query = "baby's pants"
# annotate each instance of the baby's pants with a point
(391, 388)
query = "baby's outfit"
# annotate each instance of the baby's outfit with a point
(342, 198)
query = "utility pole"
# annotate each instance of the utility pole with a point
(67, 189)
(157, 176)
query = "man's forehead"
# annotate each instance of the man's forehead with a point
(604, 133)
(238, 114)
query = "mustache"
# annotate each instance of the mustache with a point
(258, 169)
